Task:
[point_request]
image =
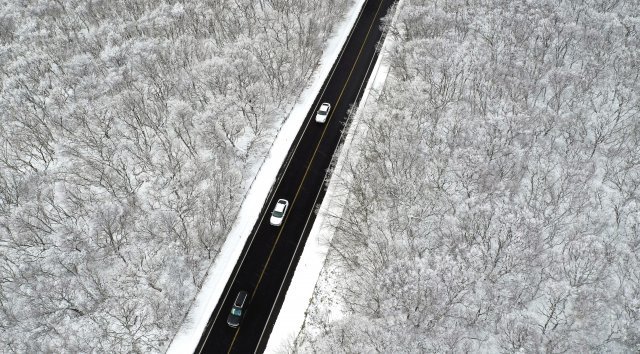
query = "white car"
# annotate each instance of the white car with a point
(278, 212)
(323, 112)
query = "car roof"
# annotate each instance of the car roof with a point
(242, 296)
(280, 206)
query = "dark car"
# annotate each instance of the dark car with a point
(237, 311)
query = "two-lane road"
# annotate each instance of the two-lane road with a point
(271, 254)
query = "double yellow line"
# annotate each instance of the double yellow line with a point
(315, 151)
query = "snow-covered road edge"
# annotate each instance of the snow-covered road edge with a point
(188, 336)
(293, 312)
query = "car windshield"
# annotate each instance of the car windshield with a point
(236, 311)
(277, 214)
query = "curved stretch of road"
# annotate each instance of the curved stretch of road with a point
(268, 261)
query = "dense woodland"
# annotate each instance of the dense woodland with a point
(494, 200)
(129, 133)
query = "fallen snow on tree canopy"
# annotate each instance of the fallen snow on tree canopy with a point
(493, 198)
(129, 136)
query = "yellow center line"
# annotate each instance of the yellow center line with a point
(304, 177)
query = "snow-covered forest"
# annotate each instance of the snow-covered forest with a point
(494, 201)
(129, 133)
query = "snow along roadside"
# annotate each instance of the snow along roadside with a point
(293, 312)
(187, 338)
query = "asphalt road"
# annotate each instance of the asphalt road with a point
(271, 254)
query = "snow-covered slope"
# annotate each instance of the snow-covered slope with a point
(493, 201)
(130, 133)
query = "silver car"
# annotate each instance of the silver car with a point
(323, 112)
(278, 213)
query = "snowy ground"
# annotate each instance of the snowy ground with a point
(292, 314)
(194, 324)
